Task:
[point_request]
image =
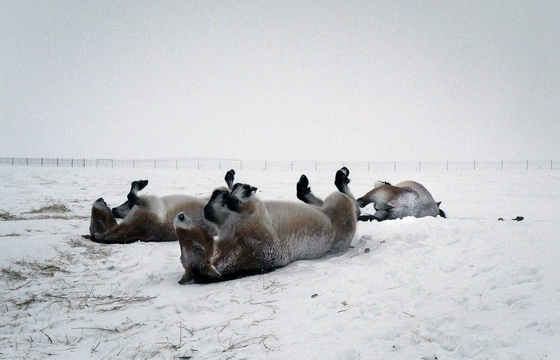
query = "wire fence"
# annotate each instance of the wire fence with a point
(223, 164)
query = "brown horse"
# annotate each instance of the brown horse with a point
(147, 217)
(407, 198)
(256, 236)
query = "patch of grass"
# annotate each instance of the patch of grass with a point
(47, 268)
(24, 304)
(12, 234)
(55, 207)
(92, 250)
(5, 215)
(52, 210)
(76, 242)
(13, 274)
(56, 217)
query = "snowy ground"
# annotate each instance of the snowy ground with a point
(466, 287)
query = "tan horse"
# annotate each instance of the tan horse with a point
(407, 198)
(147, 217)
(256, 236)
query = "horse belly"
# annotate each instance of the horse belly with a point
(303, 232)
(304, 239)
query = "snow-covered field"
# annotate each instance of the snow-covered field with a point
(466, 287)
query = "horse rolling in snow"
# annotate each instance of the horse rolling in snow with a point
(146, 217)
(407, 198)
(256, 236)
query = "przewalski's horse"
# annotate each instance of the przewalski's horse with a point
(407, 198)
(256, 236)
(121, 211)
(147, 217)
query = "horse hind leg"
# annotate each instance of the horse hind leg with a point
(440, 211)
(342, 212)
(303, 192)
(380, 183)
(341, 181)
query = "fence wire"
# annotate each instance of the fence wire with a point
(222, 164)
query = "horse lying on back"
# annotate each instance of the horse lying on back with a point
(407, 198)
(146, 217)
(256, 236)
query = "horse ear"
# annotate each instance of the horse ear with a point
(379, 183)
(438, 203)
(211, 270)
(187, 276)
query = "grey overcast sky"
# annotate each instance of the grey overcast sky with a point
(279, 80)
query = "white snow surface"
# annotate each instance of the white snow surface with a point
(465, 287)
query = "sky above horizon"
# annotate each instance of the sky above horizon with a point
(274, 80)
